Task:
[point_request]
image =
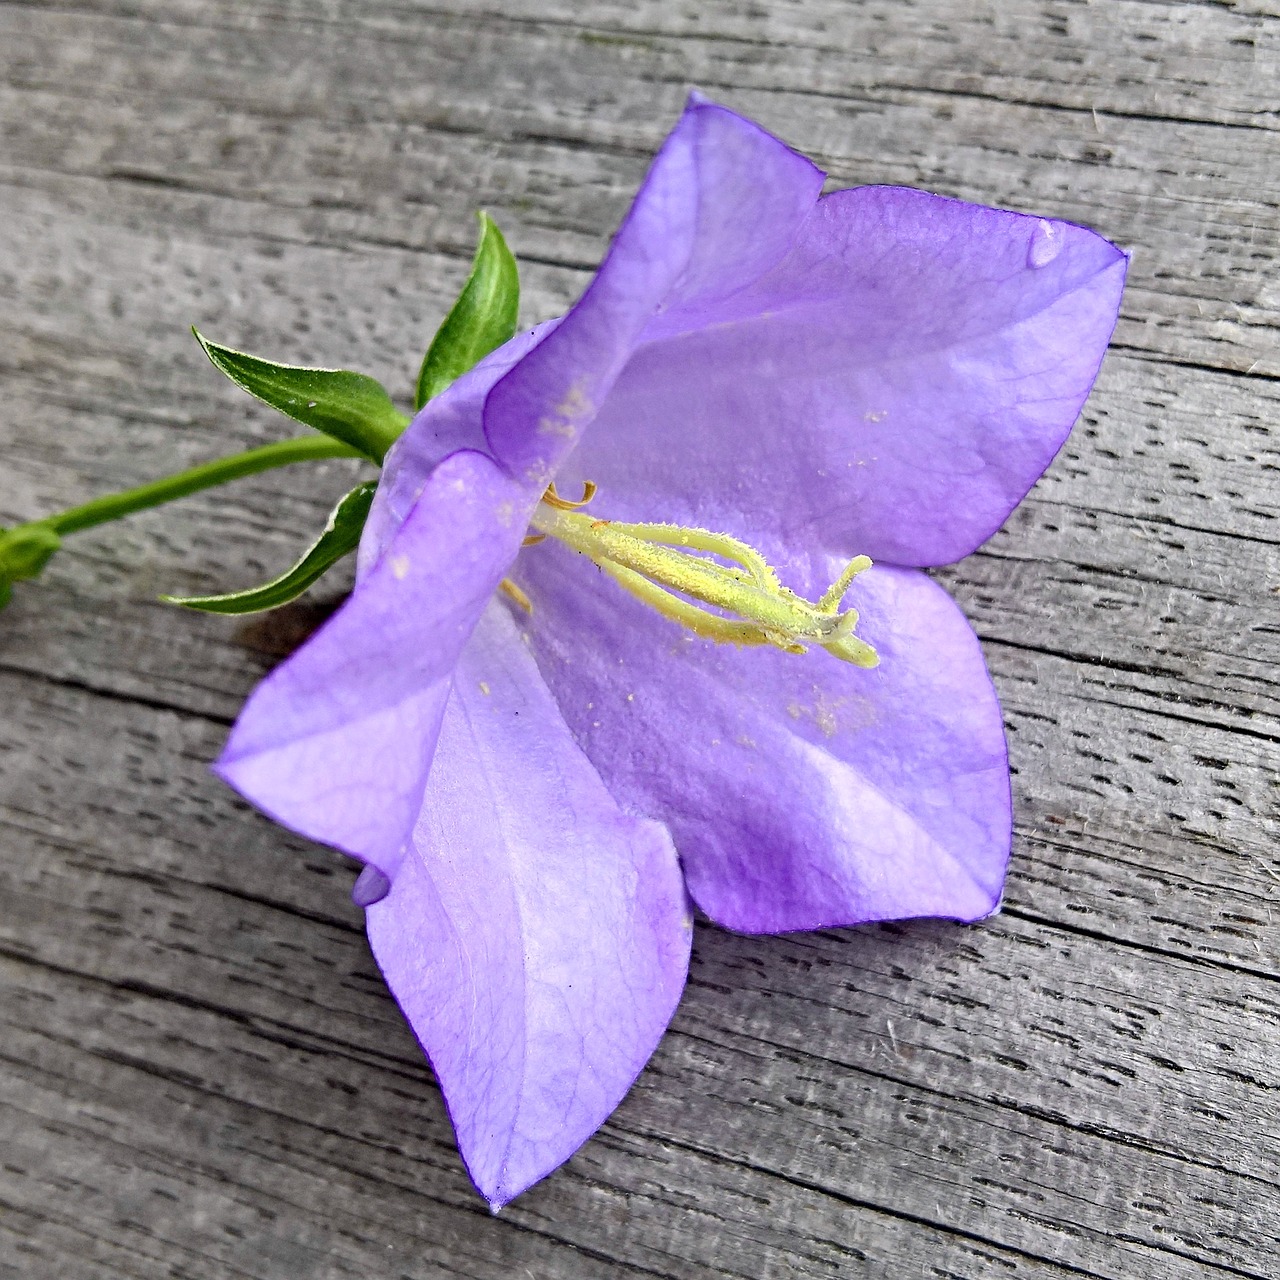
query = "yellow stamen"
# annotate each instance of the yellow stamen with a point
(553, 499)
(509, 589)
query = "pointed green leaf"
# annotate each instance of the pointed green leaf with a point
(350, 407)
(482, 319)
(341, 535)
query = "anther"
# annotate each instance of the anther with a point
(512, 592)
(553, 499)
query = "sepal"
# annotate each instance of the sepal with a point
(351, 407)
(341, 535)
(481, 320)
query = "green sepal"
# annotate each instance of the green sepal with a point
(341, 535)
(482, 319)
(24, 552)
(350, 407)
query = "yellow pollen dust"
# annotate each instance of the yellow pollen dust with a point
(671, 568)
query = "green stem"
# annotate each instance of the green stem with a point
(115, 505)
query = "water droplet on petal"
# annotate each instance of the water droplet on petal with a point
(1045, 244)
(371, 886)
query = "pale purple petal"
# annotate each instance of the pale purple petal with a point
(451, 421)
(536, 938)
(337, 741)
(894, 387)
(800, 791)
(372, 885)
(719, 207)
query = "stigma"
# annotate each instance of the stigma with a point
(712, 584)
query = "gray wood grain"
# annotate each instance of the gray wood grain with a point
(201, 1072)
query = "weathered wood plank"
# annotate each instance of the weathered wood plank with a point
(200, 1072)
(230, 117)
(815, 1048)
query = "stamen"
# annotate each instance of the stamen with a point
(669, 567)
(509, 589)
(553, 499)
(533, 539)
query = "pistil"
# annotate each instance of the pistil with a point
(680, 571)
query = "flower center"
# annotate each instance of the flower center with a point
(679, 571)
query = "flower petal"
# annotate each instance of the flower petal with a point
(894, 387)
(537, 938)
(451, 421)
(801, 792)
(336, 742)
(719, 207)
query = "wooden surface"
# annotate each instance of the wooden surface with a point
(202, 1073)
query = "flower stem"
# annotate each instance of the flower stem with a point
(115, 505)
(26, 548)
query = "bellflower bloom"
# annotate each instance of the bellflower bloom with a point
(767, 385)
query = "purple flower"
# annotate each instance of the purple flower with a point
(875, 371)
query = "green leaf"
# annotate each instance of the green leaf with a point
(482, 319)
(350, 407)
(341, 535)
